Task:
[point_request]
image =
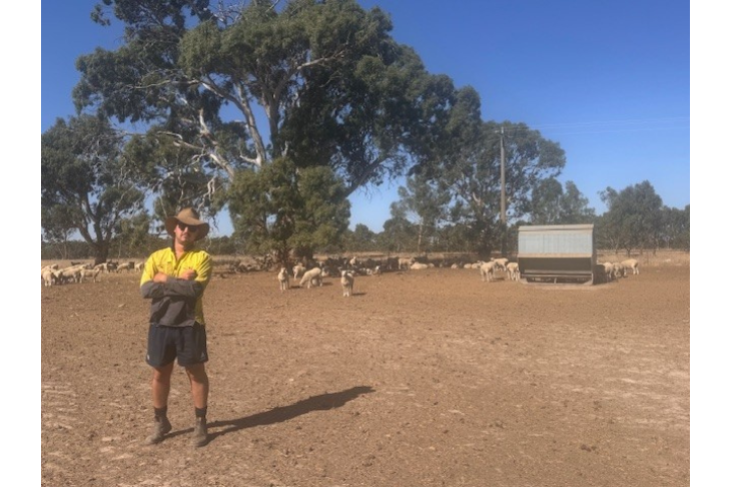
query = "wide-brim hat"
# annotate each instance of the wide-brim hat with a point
(188, 216)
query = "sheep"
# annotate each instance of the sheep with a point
(486, 270)
(313, 277)
(67, 274)
(513, 271)
(283, 278)
(609, 271)
(47, 276)
(417, 266)
(405, 263)
(139, 266)
(299, 270)
(631, 264)
(373, 272)
(500, 263)
(126, 267)
(348, 282)
(90, 273)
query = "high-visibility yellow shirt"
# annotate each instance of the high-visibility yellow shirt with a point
(177, 302)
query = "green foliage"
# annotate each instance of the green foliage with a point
(676, 228)
(281, 208)
(224, 246)
(66, 250)
(133, 235)
(336, 89)
(633, 219)
(551, 205)
(427, 202)
(361, 239)
(399, 234)
(86, 184)
(337, 92)
(466, 163)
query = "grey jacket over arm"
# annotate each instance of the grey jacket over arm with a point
(173, 302)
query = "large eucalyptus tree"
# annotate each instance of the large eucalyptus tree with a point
(320, 83)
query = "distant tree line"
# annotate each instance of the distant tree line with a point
(636, 220)
(279, 111)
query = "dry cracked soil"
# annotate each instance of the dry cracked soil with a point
(421, 378)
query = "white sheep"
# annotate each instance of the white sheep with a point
(486, 270)
(631, 264)
(299, 270)
(47, 276)
(609, 271)
(126, 267)
(513, 271)
(348, 282)
(417, 266)
(313, 277)
(500, 263)
(93, 274)
(68, 274)
(283, 278)
(374, 272)
(405, 263)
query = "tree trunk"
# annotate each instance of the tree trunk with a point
(101, 252)
(420, 237)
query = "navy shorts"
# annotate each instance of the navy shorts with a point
(186, 343)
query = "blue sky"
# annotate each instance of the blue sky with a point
(608, 81)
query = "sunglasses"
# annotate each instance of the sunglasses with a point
(191, 228)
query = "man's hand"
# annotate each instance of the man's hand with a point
(188, 274)
(160, 277)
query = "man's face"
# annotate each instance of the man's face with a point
(186, 234)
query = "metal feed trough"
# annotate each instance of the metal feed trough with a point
(556, 253)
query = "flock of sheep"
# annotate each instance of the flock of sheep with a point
(347, 269)
(312, 274)
(313, 277)
(613, 270)
(79, 272)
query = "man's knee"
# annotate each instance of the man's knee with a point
(197, 373)
(162, 374)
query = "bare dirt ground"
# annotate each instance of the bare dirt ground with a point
(422, 378)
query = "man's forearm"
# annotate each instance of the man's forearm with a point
(182, 288)
(172, 287)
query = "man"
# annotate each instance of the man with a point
(174, 279)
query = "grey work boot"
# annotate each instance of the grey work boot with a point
(160, 428)
(200, 433)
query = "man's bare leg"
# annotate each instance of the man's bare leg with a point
(161, 377)
(199, 390)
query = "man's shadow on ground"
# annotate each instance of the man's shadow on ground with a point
(321, 402)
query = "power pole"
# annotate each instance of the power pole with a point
(503, 213)
(503, 200)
